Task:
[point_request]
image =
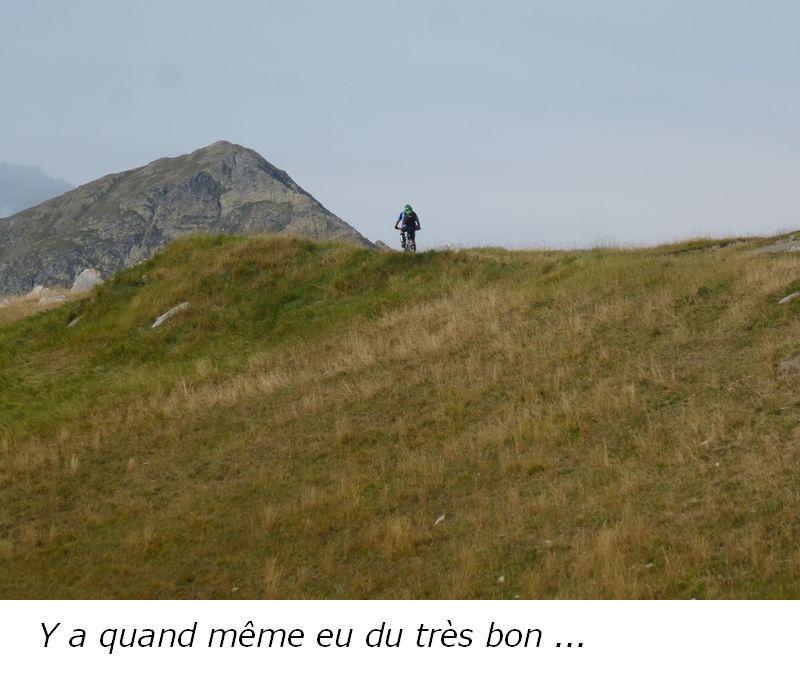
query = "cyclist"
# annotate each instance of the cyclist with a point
(408, 224)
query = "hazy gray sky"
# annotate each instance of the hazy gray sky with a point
(507, 122)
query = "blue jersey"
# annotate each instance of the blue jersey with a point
(409, 222)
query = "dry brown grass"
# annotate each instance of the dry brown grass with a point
(612, 427)
(14, 308)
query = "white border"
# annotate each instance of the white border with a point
(630, 649)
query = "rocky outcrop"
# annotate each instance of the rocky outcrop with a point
(121, 219)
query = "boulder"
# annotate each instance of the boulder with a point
(86, 280)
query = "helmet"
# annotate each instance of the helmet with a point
(407, 208)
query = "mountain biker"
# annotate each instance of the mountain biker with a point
(408, 224)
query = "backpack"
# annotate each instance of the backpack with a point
(409, 220)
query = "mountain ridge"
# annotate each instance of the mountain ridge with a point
(122, 218)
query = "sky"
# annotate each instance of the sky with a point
(513, 123)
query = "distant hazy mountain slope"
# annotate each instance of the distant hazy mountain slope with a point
(22, 187)
(123, 218)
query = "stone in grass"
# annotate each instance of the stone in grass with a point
(86, 280)
(789, 367)
(793, 295)
(57, 299)
(36, 292)
(169, 314)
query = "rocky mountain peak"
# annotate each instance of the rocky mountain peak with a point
(122, 218)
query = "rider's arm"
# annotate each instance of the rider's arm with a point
(399, 219)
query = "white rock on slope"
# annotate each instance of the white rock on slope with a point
(88, 279)
(169, 314)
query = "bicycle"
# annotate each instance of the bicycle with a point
(406, 244)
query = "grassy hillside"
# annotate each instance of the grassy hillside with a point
(590, 424)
